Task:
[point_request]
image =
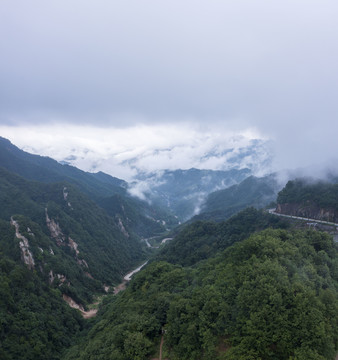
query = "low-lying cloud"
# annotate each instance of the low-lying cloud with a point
(127, 152)
(142, 85)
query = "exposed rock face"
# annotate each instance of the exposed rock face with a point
(62, 278)
(60, 238)
(26, 255)
(72, 303)
(30, 232)
(82, 262)
(65, 197)
(122, 228)
(307, 210)
(65, 194)
(73, 245)
(55, 230)
(51, 277)
(57, 234)
(89, 275)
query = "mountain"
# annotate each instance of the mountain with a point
(310, 199)
(253, 191)
(181, 192)
(184, 191)
(56, 244)
(101, 188)
(47, 170)
(67, 235)
(137, 216)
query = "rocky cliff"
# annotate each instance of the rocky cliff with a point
(308, 210)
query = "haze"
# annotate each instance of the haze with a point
(137, 77)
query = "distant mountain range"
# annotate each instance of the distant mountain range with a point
(252, 191)
(184, 191)
(237, 153)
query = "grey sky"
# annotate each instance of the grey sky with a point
(268, 65)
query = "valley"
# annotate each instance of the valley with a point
(88, 271)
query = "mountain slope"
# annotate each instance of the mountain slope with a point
(184, 191)
(47, 170)
(70, 237)
(36, 323)
(100, 187)
(200, 240)
(272, 296)
(306, 198)
(252, 191)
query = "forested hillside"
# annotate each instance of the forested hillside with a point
(47, 170)
(99, 187)
(55, 245)
(63, 220)
(253, 191)
(203, 239)
(272, 296)
(35, 321)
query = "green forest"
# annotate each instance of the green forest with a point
(241, 285)
(271, 296)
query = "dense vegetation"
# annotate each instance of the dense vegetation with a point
(253, 191)
(47, 170)
(138, 217)
(304, 191)
(104, 251)
(35, 321)
(224, 290)
(203, 239)
(99, 187)
(272, 296)
(86, 250)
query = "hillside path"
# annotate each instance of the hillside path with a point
(273, 212)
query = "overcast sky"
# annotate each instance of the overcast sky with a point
(259, 67)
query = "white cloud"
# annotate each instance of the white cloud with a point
(123, 152)
(270, 65)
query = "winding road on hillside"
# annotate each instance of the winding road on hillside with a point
(93, 311)
(154, 237)
(273, 212)
(127, 278)
(122, 286)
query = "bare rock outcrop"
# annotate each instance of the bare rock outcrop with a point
(73, 245)
(65, 196)
(26, 254)
(307, 210)
(122, 228)
(55, 230)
